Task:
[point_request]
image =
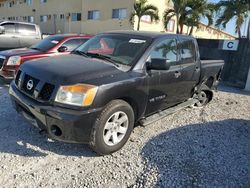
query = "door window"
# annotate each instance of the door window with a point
(187, 51)
(26, 29)
(167, 49)
(73, 43)
(9, 27)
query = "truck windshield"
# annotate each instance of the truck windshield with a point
(47, 43)
(122, 49)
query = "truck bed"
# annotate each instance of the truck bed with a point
(211, 68)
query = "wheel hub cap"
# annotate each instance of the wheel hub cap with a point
(115, 128)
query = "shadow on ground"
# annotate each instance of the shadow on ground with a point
(26, 140)
(19, 137)
(214, 154)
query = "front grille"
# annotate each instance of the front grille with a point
(17, 77)
(33, 87)
(29, 88)
(1, 62)
(46, 92)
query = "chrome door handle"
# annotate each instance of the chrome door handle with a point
(197, 69)
(177, 74)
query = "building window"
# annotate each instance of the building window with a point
(171, 25)
(146, 18)
(119, 13)
(43, 18)
(93, 15)
(10, 4)
(43, 1)
(29, 2)
(31, 19)
(62, 16)
(76, 17)
(11, 18)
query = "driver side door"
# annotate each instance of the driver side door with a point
(163, 85)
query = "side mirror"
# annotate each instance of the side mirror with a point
(158, 64)
(62, 49)
(2, 30)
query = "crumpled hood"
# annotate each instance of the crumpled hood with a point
(19, 52)
(68, 69)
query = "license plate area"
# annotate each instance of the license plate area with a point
(28, 115)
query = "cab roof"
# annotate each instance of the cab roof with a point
(147, 34)
(65, 36)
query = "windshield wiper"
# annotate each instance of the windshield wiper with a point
(34, 48)
(80, 53)
(95, 55)
(103, 57)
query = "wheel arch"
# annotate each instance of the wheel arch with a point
(204, 87)
(133, 104)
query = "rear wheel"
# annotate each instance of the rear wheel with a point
(202, 99)
(112, 128)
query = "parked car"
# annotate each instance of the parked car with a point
(18, 35)
(97, 98)
(10, 60)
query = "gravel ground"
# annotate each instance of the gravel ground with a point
(208, 147)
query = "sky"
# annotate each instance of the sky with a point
(230, 28)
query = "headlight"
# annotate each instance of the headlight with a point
(78, 95)
(14, 60)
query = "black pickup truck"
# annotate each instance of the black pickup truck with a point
(99, 92)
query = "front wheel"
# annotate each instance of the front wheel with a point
(112, 128)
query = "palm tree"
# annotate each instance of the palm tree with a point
(141, 8)
(188, 12)
(199, 9)
(233, 9)
(177, 11)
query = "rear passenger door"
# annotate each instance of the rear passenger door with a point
(190, 67)
(9, 39)
(28, 34)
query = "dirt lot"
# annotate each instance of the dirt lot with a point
(195, 147)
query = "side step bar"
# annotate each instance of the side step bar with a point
(155, 117)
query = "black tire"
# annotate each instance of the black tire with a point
(97, 142)
(203, 99)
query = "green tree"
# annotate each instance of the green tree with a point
(141, 8)
(189, 13)
(199, 9)
(178, 11)
(233, 9)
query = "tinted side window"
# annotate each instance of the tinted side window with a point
(9, 27)
(73, 43)
(187, 50)
(167, 49)
(26, 29)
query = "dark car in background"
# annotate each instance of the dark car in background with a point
(18, 34)
(10, 60)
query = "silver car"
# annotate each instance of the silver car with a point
(18, 34)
